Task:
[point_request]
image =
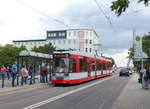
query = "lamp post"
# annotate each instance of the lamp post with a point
(98, 45)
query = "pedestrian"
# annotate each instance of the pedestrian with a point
(2, 72)
(141, 77)
(41, 74)
(8, 72)
(24, 75)
(44, 73)
(146, 77)
(14, 74)
(140, 72)
(31, 74)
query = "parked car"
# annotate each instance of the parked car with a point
(124, 72)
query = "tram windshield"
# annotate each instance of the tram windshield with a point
(61, 65)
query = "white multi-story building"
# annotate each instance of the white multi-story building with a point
(76, 39)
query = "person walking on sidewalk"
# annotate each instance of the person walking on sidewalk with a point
(146, 77)
(14, 74)
(31, 74)
(141, 71)
(141, 76)
(24, 75)
(8, 72)
(3, 72)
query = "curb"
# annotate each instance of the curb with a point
(21, 88)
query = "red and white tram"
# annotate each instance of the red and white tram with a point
(73, 67)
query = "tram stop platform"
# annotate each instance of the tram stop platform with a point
(133, 96)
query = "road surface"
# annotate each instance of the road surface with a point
(96, 94)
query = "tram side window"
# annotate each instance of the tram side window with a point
(105, 66)
(99, 66)
(93, 66)
(108, 66)
(82, 65)
(72, 65)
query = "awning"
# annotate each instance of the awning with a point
(27, 53)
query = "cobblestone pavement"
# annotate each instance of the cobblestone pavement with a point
(133, 96)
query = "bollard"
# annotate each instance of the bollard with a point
(3, 77)
(17, 79)
(34, 78)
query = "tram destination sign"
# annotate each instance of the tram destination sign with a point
(56, 34)
(60, 55)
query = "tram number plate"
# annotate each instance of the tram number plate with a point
(59, 74)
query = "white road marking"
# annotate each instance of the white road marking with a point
(64, 94)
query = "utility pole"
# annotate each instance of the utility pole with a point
(137, 46)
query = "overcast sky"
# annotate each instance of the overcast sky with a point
(30, 19)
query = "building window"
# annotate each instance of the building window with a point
(90, 50)
(59, 41)
(59, 34)
(69, 41)
(86, 49)
(90, 42)
(86, 41)
(69, 33)
(49, 35)
(74, 41)
(74, 33)
(90, 33)
(64, 41)
(63, 34)
(87, 33)
(54, 34)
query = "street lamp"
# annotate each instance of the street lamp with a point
(98, 45)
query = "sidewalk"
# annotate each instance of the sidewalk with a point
(133, 96)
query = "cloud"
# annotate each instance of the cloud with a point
(120, 58)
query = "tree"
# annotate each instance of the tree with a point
(130, 52)
(8, 54)
(146, 44)
(47, 49)
(113, 61)
(120, 6)
(36, 49)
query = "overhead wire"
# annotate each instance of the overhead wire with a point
(108, 18)
(110, 22)
(44, 14)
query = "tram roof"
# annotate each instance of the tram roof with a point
(27, 53)
(82, 54)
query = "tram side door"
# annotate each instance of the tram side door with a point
(88, 69)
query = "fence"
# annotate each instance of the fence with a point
(6, 81)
